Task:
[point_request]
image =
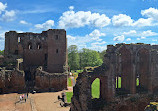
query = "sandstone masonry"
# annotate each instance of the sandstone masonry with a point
(128, 61)
(37, 60)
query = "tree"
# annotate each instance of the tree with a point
(102, 54)
(1, 52)
(89, 58)
(73, 57)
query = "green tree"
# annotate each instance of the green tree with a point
(1, 52)
(89, 58)
(73, 57)
(102, 54)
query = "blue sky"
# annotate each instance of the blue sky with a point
(89, 24)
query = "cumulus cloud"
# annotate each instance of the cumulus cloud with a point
(154, 39)
(98, 46)
(122, 20)
(148, 33)
(71, 37)
(96, 34)
(47, 25)
(82, 41)
(143, 22)
(125, 20)
(23, 22)
(2, 35)
(71, 7)
(131, 32)
(138, 38)
(2, 7)
(142, 34)
(119, 38)
(143, 37)
(128, 39)
(151, 13)
(8, 15)
(98, 43)
(72, 19)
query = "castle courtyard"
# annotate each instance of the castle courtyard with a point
(35, 102)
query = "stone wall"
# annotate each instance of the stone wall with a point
(12, 81)
(45, 81)
(48, 49)
(25, 52)
(128, 61)
(1, 60)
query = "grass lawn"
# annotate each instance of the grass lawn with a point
(68, 96)
(69, 82)
(95, 88)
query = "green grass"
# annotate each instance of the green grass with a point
(119, 82)
(137, 82)
(68, 96)
(95, 88)
(69, 82)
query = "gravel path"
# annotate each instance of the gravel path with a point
(35, 102)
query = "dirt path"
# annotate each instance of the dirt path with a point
(35, 102)
(48, 102)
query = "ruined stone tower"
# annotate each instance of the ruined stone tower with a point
(38, 54)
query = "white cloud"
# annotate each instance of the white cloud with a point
(138, 38)
(119, 38)
(125, 20)
(8, 15)
(98, 43)
(23, 22)
(153, 43)
(2, 7)
(96, 34)
(98, 47)
(72, 19)
(143, 22)
(128, 39)
(71, 7)
(143, 37)
(2, 35)
(142, 34)
(47, 25)
(131, 32)
(122, 20)
(151, 13)
(71, 37)
(148, 33)
(82, 41)
(154, 39)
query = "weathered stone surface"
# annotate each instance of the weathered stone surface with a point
(34, 61)
(128, 61)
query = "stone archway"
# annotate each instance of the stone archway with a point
(125, 57)
(95, 88)
(143, 68)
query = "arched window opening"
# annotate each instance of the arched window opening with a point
(39, 46)
(19, 39)
(57, 50)
(143, 64)
(56, 37)
(118, 82)
(29, 46)
(137, 81)
(95, 88)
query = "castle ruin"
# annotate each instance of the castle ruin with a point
(35, 61)
(130, 62)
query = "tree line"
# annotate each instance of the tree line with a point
(78, 59)
(1, 52)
